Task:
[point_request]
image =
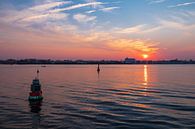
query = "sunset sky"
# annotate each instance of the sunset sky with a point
(97, 29)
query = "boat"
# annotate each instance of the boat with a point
(36, 92)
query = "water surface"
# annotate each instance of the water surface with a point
(120, 96)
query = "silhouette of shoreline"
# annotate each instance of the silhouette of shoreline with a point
(54, 62)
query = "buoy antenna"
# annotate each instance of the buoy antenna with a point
(37, 73)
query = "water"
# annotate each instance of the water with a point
(120, 96)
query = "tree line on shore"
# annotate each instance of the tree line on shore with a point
(49, 61)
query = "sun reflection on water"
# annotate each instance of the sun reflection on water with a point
(145, 83)
(145, 75)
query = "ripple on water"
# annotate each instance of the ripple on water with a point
(76, 97)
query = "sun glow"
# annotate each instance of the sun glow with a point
(145, 56)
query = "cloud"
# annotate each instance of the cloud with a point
(177, 26)
(134, 45)
(51, 11)
(91, 11)
(138, 29)
(95, 5)
(187, 15)
(84, 18)
(37, 13)
(45, 17)
(156, 1)
(48, 27)
(116, 2)
(76, 6)
(47, 6)
(109, 9)
(104, 9)
(182, 4)
(65, 42)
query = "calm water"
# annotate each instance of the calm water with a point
(120, 96)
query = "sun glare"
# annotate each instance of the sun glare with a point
(145, 56)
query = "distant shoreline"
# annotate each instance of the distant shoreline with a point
(127, 61)
(45, 65)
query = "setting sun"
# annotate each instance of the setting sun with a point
(145, 56)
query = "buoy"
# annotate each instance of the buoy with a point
(98, 68)
(36, 92)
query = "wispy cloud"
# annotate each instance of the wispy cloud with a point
(76, 6)
(109, 9)
(47, 6)
(91, 11)
(56, 14)
(138, 29)
(177, 26)
(83, 18)
(189, 14)
(103, 9)
(95, 5)
(156, 1)
(45, 17)
(182, 4)
(37, 13)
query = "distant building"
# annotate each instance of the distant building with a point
(130, 60)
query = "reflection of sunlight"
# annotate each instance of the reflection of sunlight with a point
(145, 75)
(145, 83)
(141, 105)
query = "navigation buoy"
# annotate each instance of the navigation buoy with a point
(98, 68)
(36, 92)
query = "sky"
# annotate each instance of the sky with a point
(97, 29)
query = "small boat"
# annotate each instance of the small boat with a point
(36, 92)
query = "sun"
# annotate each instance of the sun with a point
(145, 56)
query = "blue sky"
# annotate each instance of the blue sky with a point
(110, 29)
